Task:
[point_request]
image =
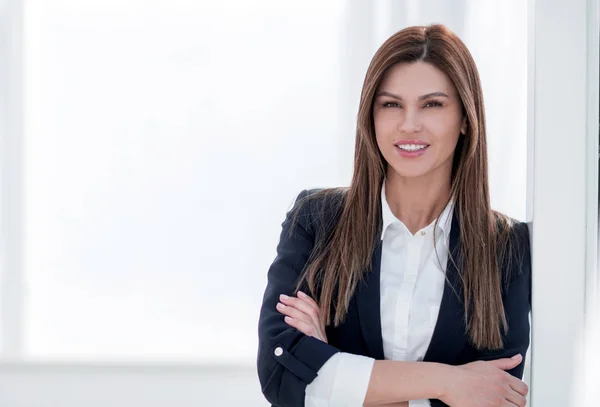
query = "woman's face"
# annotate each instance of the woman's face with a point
(418, 119)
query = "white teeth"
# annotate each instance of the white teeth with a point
(411, 147)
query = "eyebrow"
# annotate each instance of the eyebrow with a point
(426, 96)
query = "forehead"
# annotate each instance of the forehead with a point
(415, 79)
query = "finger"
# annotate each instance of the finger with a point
(306, 329)
(294, 313)
(519, 386)
(316, 315)
(506, 363)
(312, 312)
(301, 305)
(516, 399)
(310, 301)
(305, 299)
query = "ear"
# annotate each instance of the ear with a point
(464, 127)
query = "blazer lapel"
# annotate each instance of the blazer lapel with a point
(449, 335)
(368, 303)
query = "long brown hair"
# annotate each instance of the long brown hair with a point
(343, 250)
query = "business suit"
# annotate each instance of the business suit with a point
(288, 360)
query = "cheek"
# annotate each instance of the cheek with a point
(445, 131)
(447, 147)
(385, 125)
(446, 141)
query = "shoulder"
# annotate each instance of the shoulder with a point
(319, 208)
(517, 232)
(514, 247)
(319, 201)
(512, 232)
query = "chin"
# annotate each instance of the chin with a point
(408, 172)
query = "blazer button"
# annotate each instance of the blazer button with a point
(278, 351)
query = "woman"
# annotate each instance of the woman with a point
(406, 288)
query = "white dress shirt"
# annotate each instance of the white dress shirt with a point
(412, 284)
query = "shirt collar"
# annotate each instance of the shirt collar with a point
(388, 217)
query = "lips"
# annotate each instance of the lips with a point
(411, 150)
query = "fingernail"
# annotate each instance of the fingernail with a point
(302, 295)
(283, 297)
(280, 305)
(517, 356)
(287, 319)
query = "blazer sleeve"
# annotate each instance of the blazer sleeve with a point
(287, 359)
(517, 304)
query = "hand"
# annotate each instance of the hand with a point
(486, 384)
(302, 313)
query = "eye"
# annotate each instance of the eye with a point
(433, 103)
(390, 104)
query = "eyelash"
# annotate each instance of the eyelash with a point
(433, 103)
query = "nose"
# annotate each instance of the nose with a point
(410, 122)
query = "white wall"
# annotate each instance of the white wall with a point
(177, 386)
(564, 120)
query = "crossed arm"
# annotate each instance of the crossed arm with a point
(394, 383)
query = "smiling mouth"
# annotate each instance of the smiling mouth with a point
(412, 147)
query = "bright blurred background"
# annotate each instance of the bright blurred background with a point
(164, 142)
(152, 149)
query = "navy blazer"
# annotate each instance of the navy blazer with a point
(288, 360)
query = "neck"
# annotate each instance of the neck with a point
(416, 201)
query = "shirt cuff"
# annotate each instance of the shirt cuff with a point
(419, 403)
(341, 382)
